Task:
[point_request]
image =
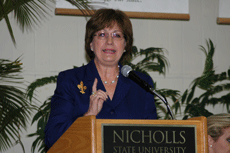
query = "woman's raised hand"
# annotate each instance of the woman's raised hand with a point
(97, 98)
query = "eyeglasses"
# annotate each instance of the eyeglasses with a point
(115, 35)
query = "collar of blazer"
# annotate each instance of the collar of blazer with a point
(121, 90)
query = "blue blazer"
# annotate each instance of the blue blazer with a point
(71, 100)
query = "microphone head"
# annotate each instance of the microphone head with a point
(125, 70)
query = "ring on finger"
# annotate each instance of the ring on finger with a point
(93, 93)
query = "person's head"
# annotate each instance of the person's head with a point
(102, 21)
(219, 133)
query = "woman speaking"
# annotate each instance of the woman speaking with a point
(98, 88)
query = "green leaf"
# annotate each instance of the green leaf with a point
(39, 83)
(184, 96)
(191, 94)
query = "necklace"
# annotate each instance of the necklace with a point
(106, 82)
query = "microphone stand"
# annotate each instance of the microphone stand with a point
(165, 101)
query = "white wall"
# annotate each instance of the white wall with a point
(58, 44)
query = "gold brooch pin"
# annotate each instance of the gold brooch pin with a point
(81, 87)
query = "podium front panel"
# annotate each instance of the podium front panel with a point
(149, 136)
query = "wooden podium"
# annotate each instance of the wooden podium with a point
(91, 135)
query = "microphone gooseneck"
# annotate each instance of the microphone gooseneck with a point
(127, 72)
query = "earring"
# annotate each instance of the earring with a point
(124, 50)
(92, 49)
(210, 146)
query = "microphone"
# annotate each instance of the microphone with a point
(128, 72)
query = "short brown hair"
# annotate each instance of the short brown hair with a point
(103, 18)
(217, 123)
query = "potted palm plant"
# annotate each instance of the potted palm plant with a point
(213, 85)
(15, 109)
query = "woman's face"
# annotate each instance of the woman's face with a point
(108, 45)
(222, 145)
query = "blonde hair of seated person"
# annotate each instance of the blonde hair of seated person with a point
(219, 133)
